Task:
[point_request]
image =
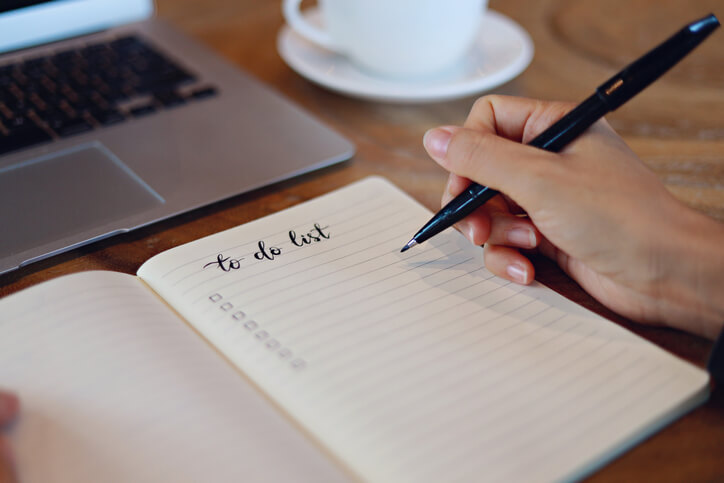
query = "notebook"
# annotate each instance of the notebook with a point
(305, 347)
(111, 119)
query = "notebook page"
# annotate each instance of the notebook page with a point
(115, 387)
(419, 366)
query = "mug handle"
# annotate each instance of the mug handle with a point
(293, 16)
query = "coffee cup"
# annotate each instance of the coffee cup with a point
(393, 38)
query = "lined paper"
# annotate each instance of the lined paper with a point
(420, 366)
(115, 387)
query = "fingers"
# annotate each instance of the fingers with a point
(514, 207)
(488, 148)
(492, 223)
(509, 263)
(519, 171)
(476, 226)
(514, 118)
(9, 406)
(488, 225)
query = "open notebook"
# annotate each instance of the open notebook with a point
(304, 347)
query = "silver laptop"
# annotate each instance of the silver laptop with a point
(111, 120)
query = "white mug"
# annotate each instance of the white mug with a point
(399, 38)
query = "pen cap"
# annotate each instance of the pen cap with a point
(642, 72)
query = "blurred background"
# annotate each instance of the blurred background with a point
(676, 125)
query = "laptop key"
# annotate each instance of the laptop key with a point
(169, 98)
(23, 137)
(65, 125)
(75, 125)
(143, 110)
(18, 122)
(203, 92)
(33, 69)
(114, 95)
(17, 105)
(107, 117)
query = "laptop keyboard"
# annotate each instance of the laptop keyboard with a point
(75, 91)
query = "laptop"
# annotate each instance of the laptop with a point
(111, 120)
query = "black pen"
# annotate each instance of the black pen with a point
(608, 97)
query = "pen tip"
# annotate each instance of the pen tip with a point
(409, 245)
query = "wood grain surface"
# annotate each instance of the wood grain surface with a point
(676, 126)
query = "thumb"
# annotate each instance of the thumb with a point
(515, 169)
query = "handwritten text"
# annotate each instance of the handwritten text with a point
(267, 252)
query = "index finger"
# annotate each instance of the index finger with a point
(515, 118)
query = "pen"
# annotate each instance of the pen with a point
(608, 97)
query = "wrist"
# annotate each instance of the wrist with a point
(692, 288)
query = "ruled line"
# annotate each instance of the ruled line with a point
(491, 389)
(401, 369)
(644, 382)
(299, 294)
(299, 323)
(410, 381)
(569, 415)
(502, 408)
(509, 425)
(338, 368)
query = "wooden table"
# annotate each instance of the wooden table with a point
(676, 126)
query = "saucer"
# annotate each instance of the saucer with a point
(501, 51)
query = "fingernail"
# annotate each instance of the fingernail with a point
(471, 235)
(448, 191)
(436, 141)
(521, 237)
(465, 228)
(517, 272)
(446, 197)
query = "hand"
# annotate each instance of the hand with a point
(8, 411)
(594, 208)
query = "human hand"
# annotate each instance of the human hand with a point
(8, 411)
(594, 208)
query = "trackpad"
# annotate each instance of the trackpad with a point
(52, 197)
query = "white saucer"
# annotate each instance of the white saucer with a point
(501, 51)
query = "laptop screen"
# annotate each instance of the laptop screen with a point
(14, 4)
(25, 23)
